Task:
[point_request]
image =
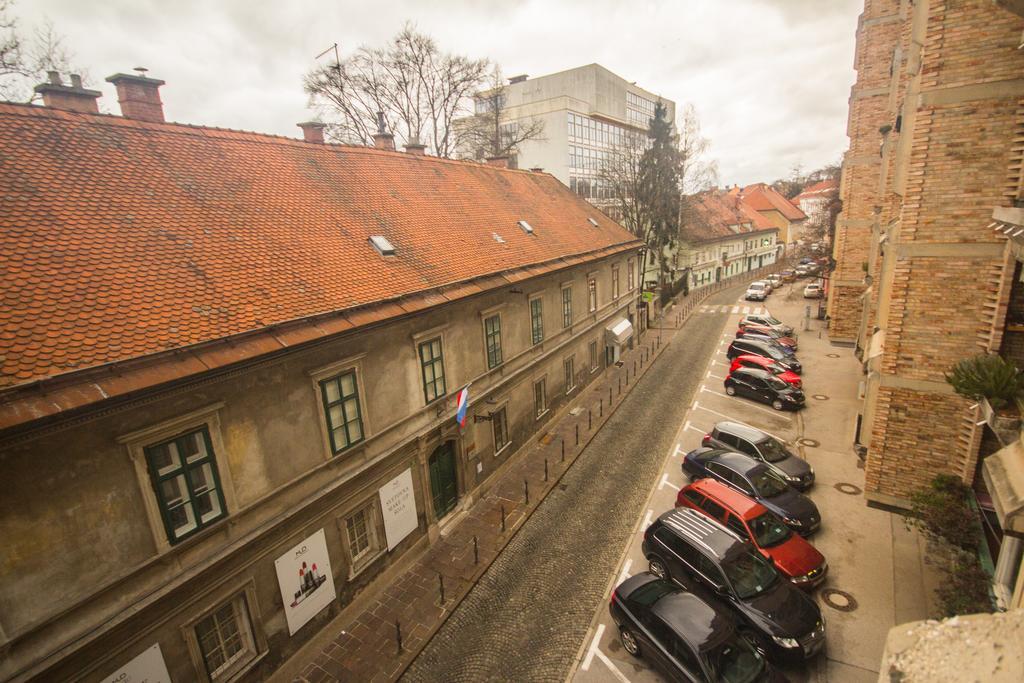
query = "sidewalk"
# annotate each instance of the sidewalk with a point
(382, 632)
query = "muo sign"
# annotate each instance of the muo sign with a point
(398, 506)
(307, 585)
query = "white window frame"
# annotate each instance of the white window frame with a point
(593, 348)
(254, 638)
(570, 376)
(503, 406)
(136, 443)
(375, 530)
(538, 414)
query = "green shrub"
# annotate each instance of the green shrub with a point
(965, 589)
(990, 377)
(941, 511)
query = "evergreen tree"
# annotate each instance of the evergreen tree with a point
(660, 187)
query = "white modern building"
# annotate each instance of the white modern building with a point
(586, 111)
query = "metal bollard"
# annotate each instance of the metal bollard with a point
(590, 419)
(609, 397)
(476, 552)
(440, 581)
(503, 518)
(600, 407)
(577, 434)
(398, 635)
(526, 491)
(620, 386)
(563, 450)
(545, 469)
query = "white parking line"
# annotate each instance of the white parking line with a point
(624, 574)
(696, 429)
(746, 310)
(715, 376)
(733, 419)
(611, 667)
(665, 482)
(735, 309)
(777, 413)
(679, 446)
(593, 648)
(647, 519)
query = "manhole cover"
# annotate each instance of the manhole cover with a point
(848, 489)
(810, 443)
(839, 600)
(819, 397)
(832, 355)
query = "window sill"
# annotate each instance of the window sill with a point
(502, 449)
(594, 369)
(570, 390)
(542, 413)
(364, 563)
(243, 669)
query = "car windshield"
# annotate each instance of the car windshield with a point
(774, 353)
(775, 369)
(773, 321)
(776, 383)
(768, 485)
(649, 593)
(750, 575)
(769, 530)
(734, 661)
(756, 285)
(772, 450)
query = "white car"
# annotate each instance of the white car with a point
(757, 291)
(813, 291)
(774, 281)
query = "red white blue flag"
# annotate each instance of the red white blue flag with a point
(463, 403)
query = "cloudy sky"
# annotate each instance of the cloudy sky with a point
(769, 78)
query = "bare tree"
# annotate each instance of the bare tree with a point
(485, 134)
(419, 89)
(24, 62)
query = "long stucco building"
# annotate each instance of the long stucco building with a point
(229, 370)
(927, 270)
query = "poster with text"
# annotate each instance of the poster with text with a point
(307, 585)
(147, 667)
(398, 507)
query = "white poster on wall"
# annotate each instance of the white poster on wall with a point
(148, 667)
(398, 506)
(307, 585)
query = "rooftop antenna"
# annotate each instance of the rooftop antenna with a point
(141, 70)
(337, 59)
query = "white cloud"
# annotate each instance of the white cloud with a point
(769, 78)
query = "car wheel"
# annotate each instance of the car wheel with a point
(629, 641)
(657, 567)
(730, 389)
(777, 404)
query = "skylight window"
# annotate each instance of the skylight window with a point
(382, 245)
(592, 222)
(527, 228)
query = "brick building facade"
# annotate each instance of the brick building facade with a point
(921, 279)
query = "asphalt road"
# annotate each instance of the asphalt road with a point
(526, 618)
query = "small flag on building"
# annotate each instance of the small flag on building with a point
(463, 403)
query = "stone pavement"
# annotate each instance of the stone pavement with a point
(381, 633)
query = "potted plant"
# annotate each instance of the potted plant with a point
(998, 385)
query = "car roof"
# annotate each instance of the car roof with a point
(743, 464)
(749, 433)
(735, 501)
(693, 619)
(701, 531)
(760, 360)
(753, 372)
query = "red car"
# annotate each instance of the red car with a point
(747, 330)
(794, 557)
(769, 365)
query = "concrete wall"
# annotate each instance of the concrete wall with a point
(83, 567)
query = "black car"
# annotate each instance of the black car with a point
(765, 387)
(755, 480)
(754, 347)
(733, 436)
(682, 636)
(769, 337)
(711, 561)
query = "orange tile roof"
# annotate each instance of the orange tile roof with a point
(720, 214)
(817, 189)
(123, 239)
(764, 197)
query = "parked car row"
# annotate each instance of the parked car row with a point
(726, 594)
(764, 363)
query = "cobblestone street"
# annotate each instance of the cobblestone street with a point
(528, 614)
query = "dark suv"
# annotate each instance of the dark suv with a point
(765, 387)
(754, 347)
(704, 557)
(737, 437)
(681, 635)
(755, 480)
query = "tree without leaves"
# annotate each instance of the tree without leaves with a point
(419, 89)
(484, 135)
(24, 63)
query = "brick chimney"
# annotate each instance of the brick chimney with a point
(385, 141)
(68, 97)
(415, 148)
(139, 96)
(313, 131)
(498, 162)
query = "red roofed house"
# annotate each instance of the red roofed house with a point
(215, 344)
(782, 213)
(813, 200)
(721, 236)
